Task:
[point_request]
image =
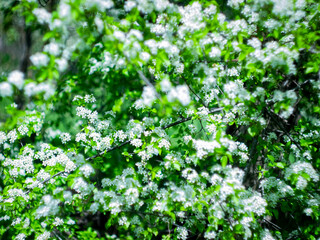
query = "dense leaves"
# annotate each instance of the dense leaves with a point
(160, 119)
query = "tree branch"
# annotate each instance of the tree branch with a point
(202, 102)
(48, 179)
(283, 129)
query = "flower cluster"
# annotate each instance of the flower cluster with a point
(162, 119)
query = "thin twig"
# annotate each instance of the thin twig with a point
(189, 118)
(283, 129)
(48, 179)
(273, 224)
(109, 150)
(202, 128)
(202, 102)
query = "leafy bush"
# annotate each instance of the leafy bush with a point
(149, 119)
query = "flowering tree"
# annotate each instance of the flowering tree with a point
(163, 119)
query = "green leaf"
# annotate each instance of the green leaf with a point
(280, 165)
(238, 228)
(292, 158)
(177, 166)
(275, 213)
(271, 157)
(252, 131)
(224, 161)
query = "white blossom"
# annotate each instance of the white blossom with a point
(6, 89)
(16, 78)
(39, 59)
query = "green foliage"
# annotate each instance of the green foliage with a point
(160, 120)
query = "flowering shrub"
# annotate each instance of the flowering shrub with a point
(163, 119)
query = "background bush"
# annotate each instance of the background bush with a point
(159, 119)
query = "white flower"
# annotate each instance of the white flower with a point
(50, 207)
(99, 24)
(183, 95)
(94, 207)
(64, 10)
(123, 221)
(29, 89)
(52, 48)
(164, 143)
(71, 222)
(210, 235)
(129, 5)
(212, 9)
(136, 33)
(67, 195)
(300, 167)
(70, 166)
(42, 15)
(148, 96)
(39, 59)
(119, 35)
(82, 187)
(182, 233)
(165, 85)
(255, 43)
(23, 129)
(192, 17)
(16, 78)
(65, 137)
(145, 56)
(136, 142)
(5, 89)
(57, 221)
(44, 236)
(26, 223)
(204, 147)
(21, 236)
(87, 170)
(89, 98)
(283, 7)
(190, 174)
(301, 183)
(235, 3)
(62, 64)
(12, 136)
(215, 52)
(255, 204)
(267, 235)
(3, 137)
(308, 211)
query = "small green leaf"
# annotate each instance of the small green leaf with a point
(292, 158)
(176, 166)
(271, 158)
(275, 213)
(280, 165)
(224, 161)
(252, 131)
